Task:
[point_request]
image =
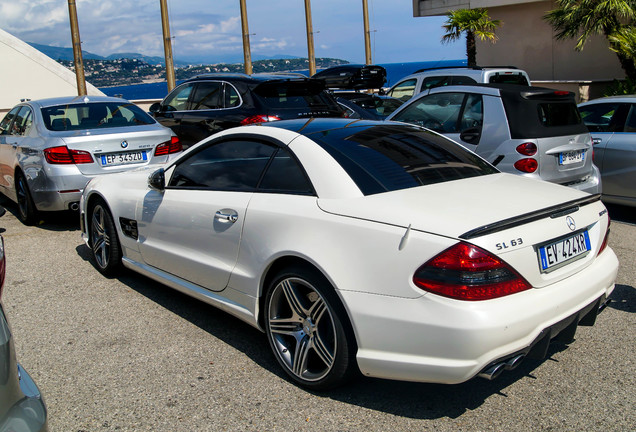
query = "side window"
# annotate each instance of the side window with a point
(404, 90)
(178, 99)
(232, 98)
(462, 80)
(630, 123)
(439, 112)
(234, 165)
(601, 117)
(22, 121)
(473, 114)
(435, 81)
(207, 95)
(284, 175)
(5, 125)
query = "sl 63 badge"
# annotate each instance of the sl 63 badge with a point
(509, 244)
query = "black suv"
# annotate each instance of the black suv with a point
(209, 103)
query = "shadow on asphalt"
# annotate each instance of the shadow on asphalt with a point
(623, 214)
(405, 399)
(623, 298)
(50, 221)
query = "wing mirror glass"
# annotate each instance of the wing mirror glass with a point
(157, 180)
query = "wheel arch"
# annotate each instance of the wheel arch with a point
(288, 261)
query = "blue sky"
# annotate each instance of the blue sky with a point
(212, 28)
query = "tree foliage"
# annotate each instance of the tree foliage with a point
(475, 23)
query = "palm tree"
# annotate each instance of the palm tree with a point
(580, 19)
(473, 22)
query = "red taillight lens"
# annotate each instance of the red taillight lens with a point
(606, 238)
(527, 149)
(467, 272)
(528, 165)
(169, 147)
(3, 265)
(259, 119)
(62, 155)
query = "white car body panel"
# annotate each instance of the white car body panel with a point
(368, 247)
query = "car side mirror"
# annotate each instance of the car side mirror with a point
(470, 135)
(157, 180)
(2, 211)
(155, 107)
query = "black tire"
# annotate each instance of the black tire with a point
(27, 212)
(308, 329)
(103, 240)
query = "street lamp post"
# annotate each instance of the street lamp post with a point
(247, 56)
(367, 34)
(310, 39)
(167, 46)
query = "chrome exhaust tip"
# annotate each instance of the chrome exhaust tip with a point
(493, 371)
(74, 206)
(514, 362)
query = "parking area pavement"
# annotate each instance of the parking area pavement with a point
(129, 354)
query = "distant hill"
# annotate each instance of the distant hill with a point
(57, 53)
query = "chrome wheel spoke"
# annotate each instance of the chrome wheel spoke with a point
(317, 310)
(293, 300)
(299, 364)
(322, 351)
(284, 326)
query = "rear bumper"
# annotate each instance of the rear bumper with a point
(590, 184)
(29, 414)
(434, 339)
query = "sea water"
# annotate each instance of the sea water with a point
(394, 72)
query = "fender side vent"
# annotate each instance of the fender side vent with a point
(129, 227)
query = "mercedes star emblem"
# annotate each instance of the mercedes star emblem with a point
(571, 223)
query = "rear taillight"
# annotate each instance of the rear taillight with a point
(467, 272)
(259, 119)
(169, 147)
(3, 265)
(527, 165)
(62, 155)
(527, 149)
(606, 238)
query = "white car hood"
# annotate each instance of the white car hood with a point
(456, 207)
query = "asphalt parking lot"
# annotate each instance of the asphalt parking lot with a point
(129, 354)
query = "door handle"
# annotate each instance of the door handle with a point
(226, 216)
(597, 140)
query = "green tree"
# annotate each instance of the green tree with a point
(580, 19)
(624, 42)
(474, 23)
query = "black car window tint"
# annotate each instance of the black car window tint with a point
(232, 98)
(473, 113)
(509, 78)
(234, 165)
(630, 123)
(5, 125)
(284, 175)
(207, 95)
(598, 117)
(94, 115)
(22, 121)
(552, 114)
(461, 80)
(404, 90)
(178, 99)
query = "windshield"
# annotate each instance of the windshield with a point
(94, 115)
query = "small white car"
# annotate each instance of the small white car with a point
(359, 245)
(50, 148)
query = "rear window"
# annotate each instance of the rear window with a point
(94, 115)
(541, 113)
(384, 158)
(295, 95)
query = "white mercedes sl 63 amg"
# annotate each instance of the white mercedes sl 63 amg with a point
(361, 246)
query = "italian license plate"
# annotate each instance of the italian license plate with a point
(571, 157)
(560, 252)
(124, 158)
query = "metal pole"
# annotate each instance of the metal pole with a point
(367, 34)
(167, 45)
(77, 49)
(246, 39)
(310, 39)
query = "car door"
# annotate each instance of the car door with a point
(613, 129)
(172, 108)
(192, 229)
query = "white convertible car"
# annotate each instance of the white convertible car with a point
(362, 246)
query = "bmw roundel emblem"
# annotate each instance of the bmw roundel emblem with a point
(124, 144)
(571, 223)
